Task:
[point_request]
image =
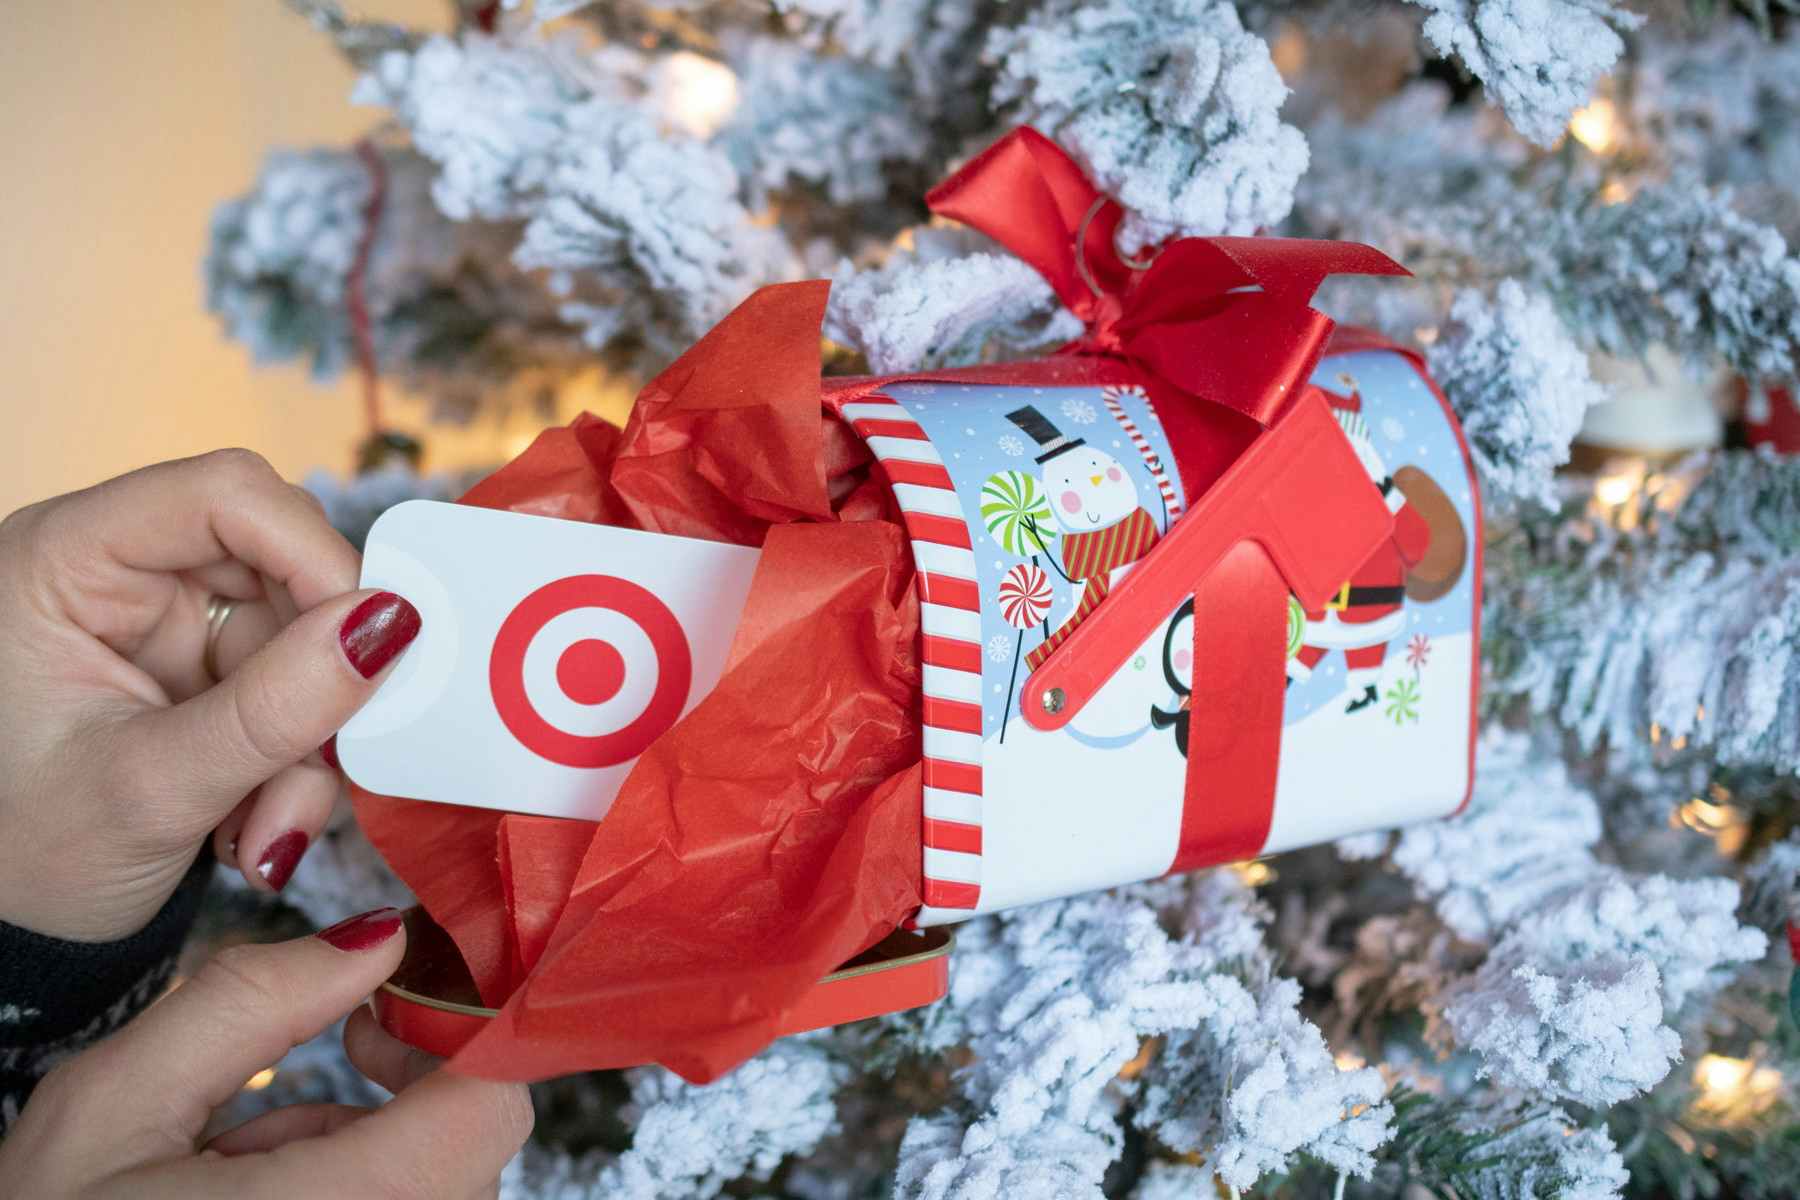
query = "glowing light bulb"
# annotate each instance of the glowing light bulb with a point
(699, 94)
(260, 1080)
(1614, 490)
(1288, 51)
(1734, 1089)
(1596, 126)
(1715, 1073)
(1254, 873)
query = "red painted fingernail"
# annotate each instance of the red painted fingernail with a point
(376, 630)
(363, 932)
(280, 858)
(328, 752)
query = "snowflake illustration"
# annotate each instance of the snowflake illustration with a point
(1418, 651)
(1392, 429)
(1011, 446)
(1403, 701)
(1000, 647)
(1078, 411)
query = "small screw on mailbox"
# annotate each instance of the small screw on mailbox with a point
(1053, 700)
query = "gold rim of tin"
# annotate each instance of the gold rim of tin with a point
(941, 947)
(449, 1006)
(944, 939)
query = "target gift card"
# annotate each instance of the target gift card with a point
(552, 654)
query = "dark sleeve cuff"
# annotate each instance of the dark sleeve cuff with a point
(56, 997)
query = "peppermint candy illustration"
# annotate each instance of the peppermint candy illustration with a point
(1296, 627)
(1025, 596)
(1017, 514)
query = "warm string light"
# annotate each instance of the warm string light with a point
(1734, 1090)
(1627, 492)
(699, 94)
(1596, 126)
(1254, 873)
(1617, 488)
(1715, 816)
(260, 1080)
(1288, 51)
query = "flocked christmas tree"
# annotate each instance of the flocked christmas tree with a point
(1577, 988)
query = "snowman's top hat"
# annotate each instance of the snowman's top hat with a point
(1051, 440)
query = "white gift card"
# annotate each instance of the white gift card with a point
(552, 654)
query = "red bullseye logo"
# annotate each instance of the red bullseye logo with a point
(590, 671)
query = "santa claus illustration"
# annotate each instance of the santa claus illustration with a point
(1368, 611)
(1102, 529)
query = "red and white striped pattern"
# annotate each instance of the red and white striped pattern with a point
(1110, 397)
(1026, 596)
(950, 637)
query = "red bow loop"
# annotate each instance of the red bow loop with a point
(1223, 319)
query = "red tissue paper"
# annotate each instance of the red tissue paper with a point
(774, 832)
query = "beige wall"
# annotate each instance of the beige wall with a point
(124, 123)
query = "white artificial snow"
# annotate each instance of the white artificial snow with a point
(1519, 384)
(1538, 59)
(1055, 999)
(938, 306)
(691, 1140)
(1171, 106)
(1526, 836)
(1592, 1033)
(1572, 1002)
(833, 123)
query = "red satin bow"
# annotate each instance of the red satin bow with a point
(1225, 319)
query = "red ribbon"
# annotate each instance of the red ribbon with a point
(1222, 319)
(1223, 334)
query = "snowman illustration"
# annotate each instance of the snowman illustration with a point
(1368, 610)
(1102, 528)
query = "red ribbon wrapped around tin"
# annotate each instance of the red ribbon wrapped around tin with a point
(775, 831)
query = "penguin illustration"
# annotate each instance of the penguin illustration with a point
(1178, 670)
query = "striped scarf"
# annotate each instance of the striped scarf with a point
(1092, 557)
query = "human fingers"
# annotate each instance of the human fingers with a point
(147, 1092)
(381, 1056)
(285, 1125)
(198, 759)
(447, 1135)
(175, 653)
(282, 821)
(225, 836)
(229, 504)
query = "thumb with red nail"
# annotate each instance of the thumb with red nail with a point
(121, 754)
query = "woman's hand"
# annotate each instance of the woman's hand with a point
(118, 755)
(126, 1118)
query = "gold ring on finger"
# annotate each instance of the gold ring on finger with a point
(218, 611)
